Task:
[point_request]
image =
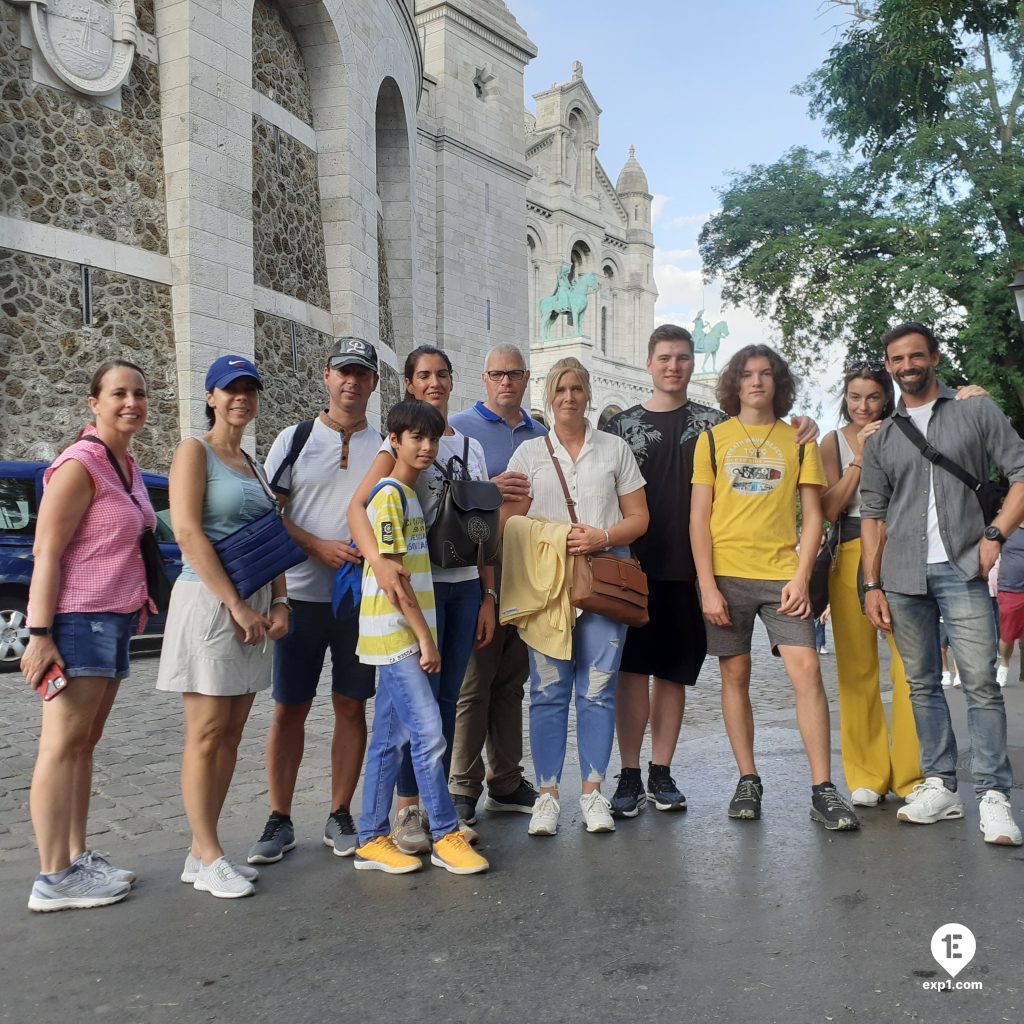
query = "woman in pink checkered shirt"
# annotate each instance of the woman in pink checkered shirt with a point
(86, 600)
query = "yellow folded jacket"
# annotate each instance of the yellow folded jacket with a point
(536, 573)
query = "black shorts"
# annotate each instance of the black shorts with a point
(673, 644)
(299, 657)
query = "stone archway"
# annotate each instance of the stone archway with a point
(609, 413)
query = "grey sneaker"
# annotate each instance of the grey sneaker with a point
(410, 834)
(190, 872)
(465, 808)
(277, 839)
(340, 833)
(93, 861)
(222, 880)
(79, 889)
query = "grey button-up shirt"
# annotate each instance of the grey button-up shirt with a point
(894, 486)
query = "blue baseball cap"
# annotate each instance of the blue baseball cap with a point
(229, 368)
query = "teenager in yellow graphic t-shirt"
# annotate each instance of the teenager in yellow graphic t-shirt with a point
(747, 474)
(402, 641)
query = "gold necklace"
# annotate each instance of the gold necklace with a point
(758, 445)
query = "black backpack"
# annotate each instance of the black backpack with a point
(299, 439)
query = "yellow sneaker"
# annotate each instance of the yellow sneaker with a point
(453, 853)
(381, 854)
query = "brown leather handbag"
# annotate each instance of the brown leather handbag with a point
(605, 583)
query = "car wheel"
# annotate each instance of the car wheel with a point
(13, 609)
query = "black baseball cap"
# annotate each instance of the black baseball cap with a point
(352, 352)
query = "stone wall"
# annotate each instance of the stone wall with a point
(288, 231)
(49, 359)
(292, 391)
(74, 164)
(144, 16)
(278, 70)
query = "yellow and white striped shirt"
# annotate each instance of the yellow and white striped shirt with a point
(385, 635)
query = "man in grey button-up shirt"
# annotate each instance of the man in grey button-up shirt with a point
(926, 553)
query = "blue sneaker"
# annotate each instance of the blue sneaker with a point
(79, 889)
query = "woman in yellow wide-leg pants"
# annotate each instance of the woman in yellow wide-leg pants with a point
(875, 758)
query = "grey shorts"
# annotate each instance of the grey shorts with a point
(750, 599)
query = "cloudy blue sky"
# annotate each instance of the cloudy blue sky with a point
(701, 88)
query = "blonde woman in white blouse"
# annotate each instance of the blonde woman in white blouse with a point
(611, 507)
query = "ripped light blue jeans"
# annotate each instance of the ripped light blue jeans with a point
(591, 673)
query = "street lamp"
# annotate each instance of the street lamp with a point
(1017, 287)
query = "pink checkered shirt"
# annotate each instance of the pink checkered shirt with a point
(101, 569)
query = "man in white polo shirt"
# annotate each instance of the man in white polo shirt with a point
(315, 467)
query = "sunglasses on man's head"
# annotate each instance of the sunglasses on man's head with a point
(497, 375)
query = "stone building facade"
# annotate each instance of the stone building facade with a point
(594, 236)
(192, 177)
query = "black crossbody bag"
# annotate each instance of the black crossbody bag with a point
(989, 493)
(157, 583)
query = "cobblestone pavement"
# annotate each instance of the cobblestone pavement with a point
(135, 788)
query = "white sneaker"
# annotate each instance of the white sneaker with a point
(597, 812)
(947, 679)
(913, 794)
(90, 860)
(932, 802)
(1002, 674)
(997, 820)
(190, 872)
(864, 797)
(544, 819)
(221, 879)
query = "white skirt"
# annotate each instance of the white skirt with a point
(201, 650)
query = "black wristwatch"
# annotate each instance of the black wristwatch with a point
(39, 631)
(994, 533)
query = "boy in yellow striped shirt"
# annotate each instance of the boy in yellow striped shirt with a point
(402, 641)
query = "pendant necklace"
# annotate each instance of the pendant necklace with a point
(758, 445)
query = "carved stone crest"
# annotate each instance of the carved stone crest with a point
(88, 44)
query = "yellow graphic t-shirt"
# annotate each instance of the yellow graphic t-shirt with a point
(753, 518)
(385, 635)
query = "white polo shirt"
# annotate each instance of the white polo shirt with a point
(319, 492)
(604, 470)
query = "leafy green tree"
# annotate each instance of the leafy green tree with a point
(921, 217)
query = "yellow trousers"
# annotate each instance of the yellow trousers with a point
(869, 760)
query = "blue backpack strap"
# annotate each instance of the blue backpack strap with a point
(401, 494)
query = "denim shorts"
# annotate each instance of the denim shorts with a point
(299, 657)
(94, 643)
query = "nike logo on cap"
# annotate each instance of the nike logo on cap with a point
(236, 362)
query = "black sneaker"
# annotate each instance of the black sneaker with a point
(521, 799)
(340, 833)
(746, 801)
(662, 788)
(629, 794)
(831, 808)
(465, 808)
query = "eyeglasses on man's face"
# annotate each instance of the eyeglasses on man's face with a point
(497, 375)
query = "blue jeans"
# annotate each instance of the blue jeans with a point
(591, 672)
(457, 606)
(405, 717)
(966, 609)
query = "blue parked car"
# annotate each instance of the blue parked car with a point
(21, 487)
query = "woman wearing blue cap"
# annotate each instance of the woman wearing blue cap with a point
(217, 651)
